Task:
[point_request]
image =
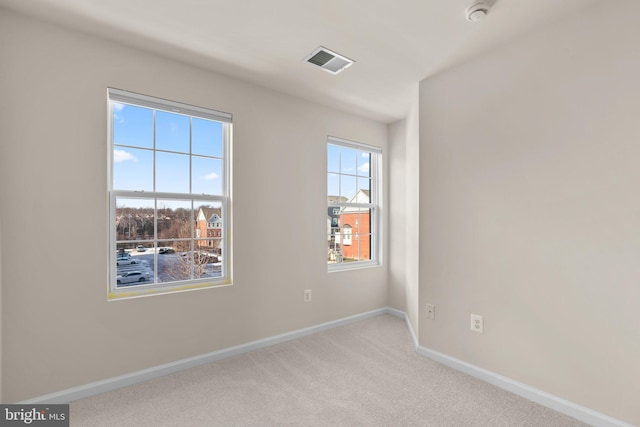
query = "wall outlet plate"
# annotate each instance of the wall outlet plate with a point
(307, 295)
(431, 311)
(477, 323)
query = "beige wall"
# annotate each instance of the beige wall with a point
(530, 214)
(404, 207)
(412, 218)
(1, 327)
(512, 194)
(397, 239)
(59, 331)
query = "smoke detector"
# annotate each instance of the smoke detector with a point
(477, 11)
(329, 60)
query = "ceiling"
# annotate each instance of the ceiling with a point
(395, 43)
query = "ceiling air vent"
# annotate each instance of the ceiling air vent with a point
(329, 60)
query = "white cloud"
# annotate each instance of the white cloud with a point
(123, 156)
(211, 176)
(364, 167)
(117, 107)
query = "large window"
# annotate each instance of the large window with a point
(353, 198)
(168, 195)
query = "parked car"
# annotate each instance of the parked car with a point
(133, 276)
(126, 259)
(141, 248)
(166, 251)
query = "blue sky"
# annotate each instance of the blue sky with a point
(348, 171)
(133, 164)
(133, 133)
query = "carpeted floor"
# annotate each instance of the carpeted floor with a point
(363, 374)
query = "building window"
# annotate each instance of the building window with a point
(169, 162)
(346, 234)
(353, 198)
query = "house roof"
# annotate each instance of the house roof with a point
(333, 199)
(209, 212)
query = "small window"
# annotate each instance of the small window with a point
(168, 174)
(353, 196)
(346, 234)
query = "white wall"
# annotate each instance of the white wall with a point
(59, 331)
(397, 199)
(530, 214)
(412, 207)
(1, 324)
(404, 208)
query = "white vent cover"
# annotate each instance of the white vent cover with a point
(328, 60)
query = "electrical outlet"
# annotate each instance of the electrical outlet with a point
(477, 323)
(431, 311)
(307, 295)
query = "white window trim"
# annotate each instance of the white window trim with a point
(375, 167)
(130, 98)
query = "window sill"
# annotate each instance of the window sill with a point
(348, 266)
(124, 294)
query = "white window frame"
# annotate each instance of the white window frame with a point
(124, 97)
(375, 204)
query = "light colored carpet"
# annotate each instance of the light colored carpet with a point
(364, 374)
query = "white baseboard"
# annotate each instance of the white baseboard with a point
(92, 389)
(404, 316)
(556, 403)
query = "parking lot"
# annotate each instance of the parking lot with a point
(170, 267)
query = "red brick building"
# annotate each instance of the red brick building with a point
(351, 236)
(209, 228)
(355, 237)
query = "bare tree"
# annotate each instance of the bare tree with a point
(187, 264)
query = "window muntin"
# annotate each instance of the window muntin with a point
(169, 167)
(353, 214)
